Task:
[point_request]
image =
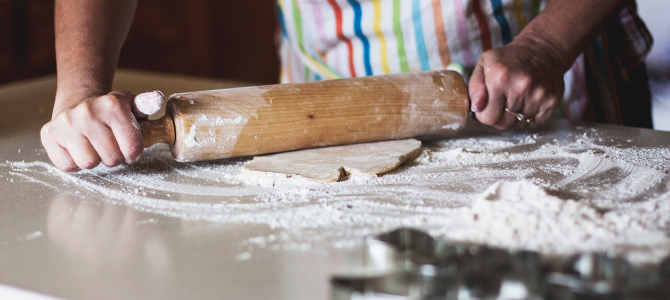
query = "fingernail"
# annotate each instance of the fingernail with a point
(475, 101)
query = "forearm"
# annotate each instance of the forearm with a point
(89, 37)
(566, 27)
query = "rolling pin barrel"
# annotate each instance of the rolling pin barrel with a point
(275, 118)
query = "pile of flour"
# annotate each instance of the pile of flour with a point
(521, 191)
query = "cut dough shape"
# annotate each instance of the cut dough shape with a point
(332, 164)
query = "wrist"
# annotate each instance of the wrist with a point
(76, 84)
(550, 49)
(71, 97)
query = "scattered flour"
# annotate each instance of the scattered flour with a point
(520, 191)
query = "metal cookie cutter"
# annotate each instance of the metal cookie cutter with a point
(410, 264)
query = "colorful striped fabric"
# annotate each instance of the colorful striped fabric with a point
(330, 39)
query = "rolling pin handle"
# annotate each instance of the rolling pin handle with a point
(157, 131)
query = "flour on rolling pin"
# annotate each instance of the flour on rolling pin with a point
(147, 104)
(205, 123)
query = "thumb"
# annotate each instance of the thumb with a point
(147, 104)
(477, 89)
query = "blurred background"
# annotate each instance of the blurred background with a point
(213, 38)
(655, 15)
(228, 40)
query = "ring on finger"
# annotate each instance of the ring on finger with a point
(519, 116)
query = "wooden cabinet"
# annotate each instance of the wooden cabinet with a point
(214, 38)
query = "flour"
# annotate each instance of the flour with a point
(451, 126)
(236, 121)
(190, 140)
(520, 191)
(147, 104)
(216, 124)
(511, 213)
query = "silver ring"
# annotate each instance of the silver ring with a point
(519, 116)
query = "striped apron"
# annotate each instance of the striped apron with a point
(330, 39)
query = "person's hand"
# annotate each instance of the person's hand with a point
(525, 77)
(98, 128)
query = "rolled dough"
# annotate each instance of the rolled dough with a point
(332, 164)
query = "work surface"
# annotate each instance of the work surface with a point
(168, 230)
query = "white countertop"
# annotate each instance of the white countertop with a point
(117, 234)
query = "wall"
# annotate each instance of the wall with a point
(223, 39)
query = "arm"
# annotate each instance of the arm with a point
(89, 124)
(526, 76)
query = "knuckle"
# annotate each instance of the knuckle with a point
(111, 103)
(552, 104)
(501, 77)
(85, 113)
(523, 83)
(540, 93)
(64, 120)
(46, 131)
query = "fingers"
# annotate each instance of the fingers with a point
(124, 126)
(509, 119)
(495, 78)
(100, 129)
(477, 89)
(74, 152)
(546, 111)
(523, 86)
(105, 145)
(59, 156)
(82, 152)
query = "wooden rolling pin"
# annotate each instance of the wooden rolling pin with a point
(256, 120)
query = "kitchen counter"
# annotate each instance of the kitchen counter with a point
(120, 234)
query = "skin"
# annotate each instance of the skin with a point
(526, 76)
(92, 124)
